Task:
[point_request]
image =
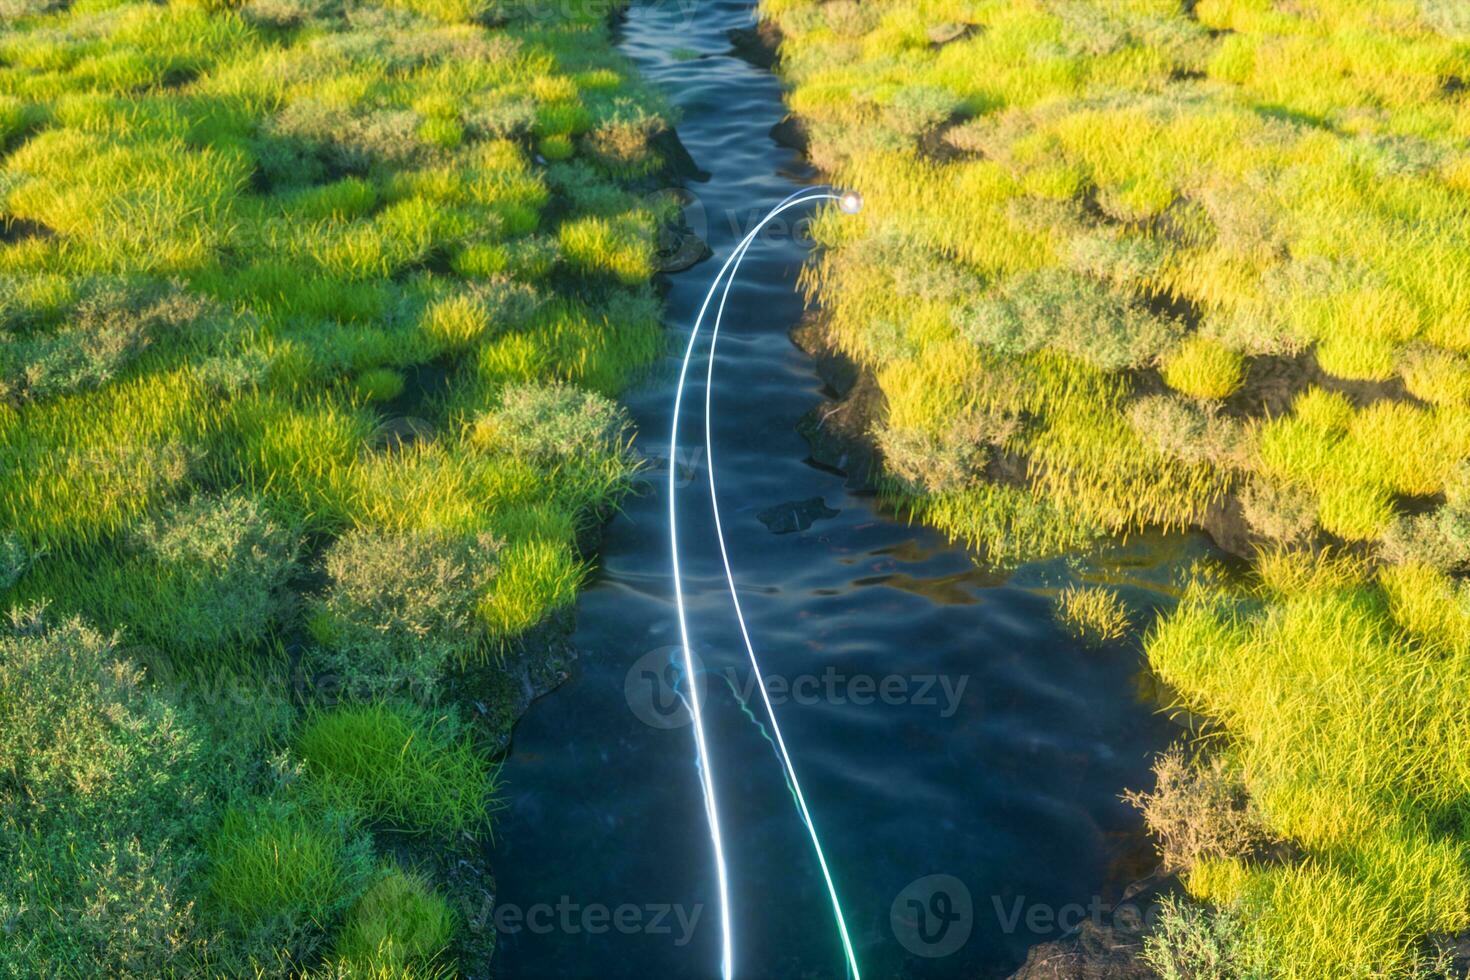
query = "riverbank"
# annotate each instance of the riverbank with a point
(311, 320)
(1167, 265)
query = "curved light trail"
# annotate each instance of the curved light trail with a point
(850, 203)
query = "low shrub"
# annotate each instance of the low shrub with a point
(1435, 375)
(553, 423)
(1439, 539)
(112, 323)
(1278, 511)
(951, 460)
(200, 578)
(1189, 942)
(1093, 614)
(625, 147)
(1198, 810)
(1058, 308)
(399, 921)
(414, 770)
(916, 109)
(103, 795)
(1184, 431)
(400, 608)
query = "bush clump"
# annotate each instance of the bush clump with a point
(1437, 376)
(198, 579)
(1439, 539)
(1198, 810)
(1187, 432)
(103, 794)
(1190, 942)
(950, 459)
(551, 423)
(1058, 308)
(1278, 511)
(108, 327)
(417, 771)
(400, 608)
(223, 564)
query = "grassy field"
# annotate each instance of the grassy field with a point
(1154, 263)
(310, 315)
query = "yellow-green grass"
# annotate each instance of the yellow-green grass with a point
(1094, 614)
(1098, 240)
(240, 240)
(1112, 176)
(1340, 701)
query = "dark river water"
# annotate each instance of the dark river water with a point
(962, 757)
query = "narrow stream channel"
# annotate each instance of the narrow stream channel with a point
(940, 722)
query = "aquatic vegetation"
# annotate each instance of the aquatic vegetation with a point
(270, 272)
(1094, 614)
(1209, 259)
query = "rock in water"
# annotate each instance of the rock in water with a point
(795, 515)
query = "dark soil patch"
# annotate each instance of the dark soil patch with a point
(1272, 383)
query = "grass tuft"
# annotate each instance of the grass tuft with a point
(414, 770)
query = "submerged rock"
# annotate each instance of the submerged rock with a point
(795, 515)
(679, 249)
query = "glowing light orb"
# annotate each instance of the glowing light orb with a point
(851, 202)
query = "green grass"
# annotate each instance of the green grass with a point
(415, 770)
(399, 922)
(270, 864)
(1363, 766)
(1173, 259)
(239, 242)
